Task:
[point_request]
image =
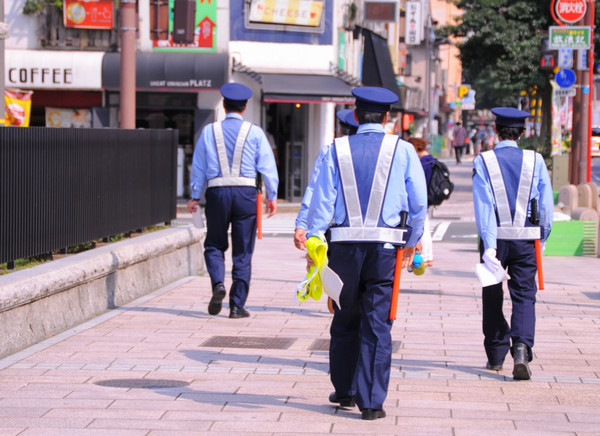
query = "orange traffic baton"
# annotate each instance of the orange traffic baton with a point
(398, 271)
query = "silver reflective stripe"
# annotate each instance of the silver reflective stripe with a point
(221, 150)
(518, 233)
(232, 181)
(524, 188)
(380, 179)
(342, 148)
(239, 149)
(497, 182)
(368, 234)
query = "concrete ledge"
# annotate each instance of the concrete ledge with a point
(47, 299)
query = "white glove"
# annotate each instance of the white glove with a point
(543, 246)
(490, 260)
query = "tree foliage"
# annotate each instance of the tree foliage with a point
(500, 47)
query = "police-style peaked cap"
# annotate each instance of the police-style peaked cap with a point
(235, 93)
(346, 116)
(373, 99)
(510, 117)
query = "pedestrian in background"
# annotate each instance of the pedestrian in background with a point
(227, 157)
(459, 134)
(427, 162)
(365, 182)
(506, 181)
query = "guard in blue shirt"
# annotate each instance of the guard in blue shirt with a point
(348, 126)
(508, 183)
(366, 182)
(226, 159)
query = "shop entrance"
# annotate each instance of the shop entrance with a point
(287, 131)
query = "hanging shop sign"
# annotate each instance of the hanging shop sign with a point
(569, 37)
(17, 107)
(570, 11)
(88, 14)
(205, 29)
(414, 23)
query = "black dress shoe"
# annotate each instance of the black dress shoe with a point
(214, 307)
(347, 401)
(493, 367)
(238, 312)
(372, 414)
(521, 370)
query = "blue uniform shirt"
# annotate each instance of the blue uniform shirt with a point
(406, 189)
(485, 205)
(303, 212)
(257, 156)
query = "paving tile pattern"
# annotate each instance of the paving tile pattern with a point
(439, 385)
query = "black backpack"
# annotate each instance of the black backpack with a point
(440, 187)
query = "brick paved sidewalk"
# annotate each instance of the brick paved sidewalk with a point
(105, 377)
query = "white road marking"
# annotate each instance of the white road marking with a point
(440, 231)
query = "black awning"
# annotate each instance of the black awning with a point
(169, 71)
(377, 69)
(301, 88)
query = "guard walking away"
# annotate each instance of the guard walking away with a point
(227, 157)
(510, 186)
(348, 126)
(366, 182)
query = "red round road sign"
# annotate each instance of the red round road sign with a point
(570, 11)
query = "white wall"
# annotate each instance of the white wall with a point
(23, 28)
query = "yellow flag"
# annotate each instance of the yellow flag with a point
(18, 107)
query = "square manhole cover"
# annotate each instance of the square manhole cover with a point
(249, 342)
(323, 345)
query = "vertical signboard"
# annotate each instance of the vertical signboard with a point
(414, 23)
(205, 33)
(342, 51)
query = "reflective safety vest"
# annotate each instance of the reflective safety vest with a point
(509, 227)
(367, 230)
(231, 177)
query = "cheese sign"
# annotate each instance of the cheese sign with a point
(291, 12)
(88, 14)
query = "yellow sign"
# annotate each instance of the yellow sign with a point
(292, 12)
(463, 91)
(18, 107)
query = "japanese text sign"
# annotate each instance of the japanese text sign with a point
(89, 14)
(569, 37)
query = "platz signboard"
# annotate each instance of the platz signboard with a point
(569, 37)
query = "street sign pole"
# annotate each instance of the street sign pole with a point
(590, 21)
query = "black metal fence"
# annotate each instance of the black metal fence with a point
(63, 187)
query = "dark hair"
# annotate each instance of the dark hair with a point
(346, 129)
(458, 123)
(233, 107)
(510, 133)
(365, 117)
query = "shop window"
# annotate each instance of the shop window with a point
(53, 34)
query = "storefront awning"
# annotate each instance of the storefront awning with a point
(377, 67)
(169, 71)
(53, 69)
(301, 88)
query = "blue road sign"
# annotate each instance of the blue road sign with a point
(565, 78)
(565, 58)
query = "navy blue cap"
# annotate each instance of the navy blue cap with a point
(346, 116)
(510, 117)
(350, 119)
(236, 93)
(373, 99)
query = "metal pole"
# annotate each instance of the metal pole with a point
(2, 108)
(128, 28)
(590, 20)
(427, 130)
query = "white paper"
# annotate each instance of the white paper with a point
(487, 277)
(332, 284)
(197, 219)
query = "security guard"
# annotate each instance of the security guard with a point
(506, 180)
(364, 183)
(227, 157)
(348, 126)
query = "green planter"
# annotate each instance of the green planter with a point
(571, 238)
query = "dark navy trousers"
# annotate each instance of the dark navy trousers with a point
(235, 205)
(519, 257)
(360, 353)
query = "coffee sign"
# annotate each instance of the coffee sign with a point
(570, 11)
